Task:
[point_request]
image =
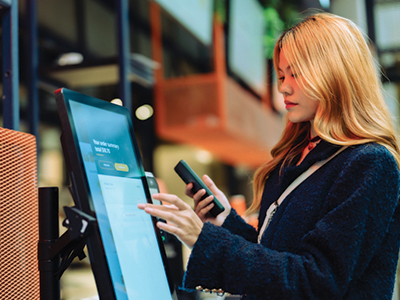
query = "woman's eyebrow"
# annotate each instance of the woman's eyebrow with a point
(287, 68)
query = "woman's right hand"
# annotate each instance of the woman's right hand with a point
(202, 207)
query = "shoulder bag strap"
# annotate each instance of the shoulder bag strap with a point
(291, 187)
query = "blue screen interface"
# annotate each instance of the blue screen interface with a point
(115, 181)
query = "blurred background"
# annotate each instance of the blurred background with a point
(196, 75)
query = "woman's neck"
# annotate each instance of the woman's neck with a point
(313, 133)
(312, 143)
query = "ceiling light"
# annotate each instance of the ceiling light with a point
(117, 101)
(144, 112)
(71, 58)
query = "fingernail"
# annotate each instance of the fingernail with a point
(148, 209)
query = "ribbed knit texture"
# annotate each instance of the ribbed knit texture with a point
(336, 236)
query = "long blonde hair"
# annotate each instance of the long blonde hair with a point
(337, 68)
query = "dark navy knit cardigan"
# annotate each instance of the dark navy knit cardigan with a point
(336, 236)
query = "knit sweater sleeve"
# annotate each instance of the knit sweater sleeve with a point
(236, 225)
(357, 214)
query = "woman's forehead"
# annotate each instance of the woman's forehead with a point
(283, 63)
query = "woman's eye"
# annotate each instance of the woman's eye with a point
(281, 78)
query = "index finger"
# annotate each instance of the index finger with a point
(172, 199)
(189, 189)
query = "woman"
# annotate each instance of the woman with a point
(336, 235)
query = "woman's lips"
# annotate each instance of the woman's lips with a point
(289, 104)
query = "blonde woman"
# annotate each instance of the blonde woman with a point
(334, 235)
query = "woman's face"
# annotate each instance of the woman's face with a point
(300, 107)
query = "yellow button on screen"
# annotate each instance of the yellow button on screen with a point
(121, 167)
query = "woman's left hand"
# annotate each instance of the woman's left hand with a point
(182, 221)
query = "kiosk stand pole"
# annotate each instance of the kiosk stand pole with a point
(48, 234)
(56, 253)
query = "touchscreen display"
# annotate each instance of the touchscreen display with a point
(116, 186)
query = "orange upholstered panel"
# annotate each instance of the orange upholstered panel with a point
(19, 235)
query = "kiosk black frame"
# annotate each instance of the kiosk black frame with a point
(81, 194)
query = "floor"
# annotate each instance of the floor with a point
(77, 283)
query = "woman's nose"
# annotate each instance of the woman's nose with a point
(285, 88)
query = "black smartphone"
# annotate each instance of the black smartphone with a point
(189, 176)
(154, 189)
(153, 186)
